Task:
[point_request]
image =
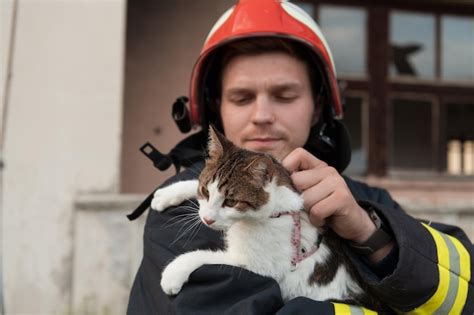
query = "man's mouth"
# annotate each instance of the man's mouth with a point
(262, 143)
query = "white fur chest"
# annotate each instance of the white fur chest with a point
(264, 248)
(268, 247)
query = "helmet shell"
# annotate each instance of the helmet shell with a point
(264, 18)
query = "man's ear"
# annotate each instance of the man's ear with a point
(318, 105)
(217, 144)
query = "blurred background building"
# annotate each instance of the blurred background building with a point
(85, 83)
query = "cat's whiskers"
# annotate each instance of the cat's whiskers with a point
(194, 202)
(185, 217)
(193, 169)
(193, 223)
(182, 217)
(193, 234)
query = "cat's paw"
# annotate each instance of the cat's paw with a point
(173, 278)
(166, 197)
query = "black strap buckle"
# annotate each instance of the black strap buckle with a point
(160, 161)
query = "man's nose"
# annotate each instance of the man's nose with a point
(263, 111)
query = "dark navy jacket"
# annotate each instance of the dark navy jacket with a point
(430, 272)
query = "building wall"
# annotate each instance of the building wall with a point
(62, 138)
(6, 16)
(164, 39)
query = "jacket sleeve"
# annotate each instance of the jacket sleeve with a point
(433, 273)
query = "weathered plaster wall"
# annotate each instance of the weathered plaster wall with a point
(107, 252)
(63, 137)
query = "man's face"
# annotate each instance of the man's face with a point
(266, 103)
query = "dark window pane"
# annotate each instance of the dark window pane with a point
(411, 146)
(412, 44)
(353, 119)
(457, 48)
(345, 30)
(460, 121)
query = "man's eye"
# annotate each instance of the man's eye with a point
(286, 97)
(241, 100)
(229, 202)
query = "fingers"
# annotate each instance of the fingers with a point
(325, 193)
(317, 193)
(300, 159)
(322, 211)
(308, 178)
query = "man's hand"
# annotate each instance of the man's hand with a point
(328, 199)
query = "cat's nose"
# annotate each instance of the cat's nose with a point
(208, 221)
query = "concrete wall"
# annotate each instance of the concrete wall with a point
(62, 138)
(164, 39)
(6, 17)
(105, 261)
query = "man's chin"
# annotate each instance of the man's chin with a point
(277, 153)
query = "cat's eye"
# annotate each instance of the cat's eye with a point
(204, 192)
(229, 202)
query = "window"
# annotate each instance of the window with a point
(457, 48)
(460, 135)
(412, 129)
(355, 121)
(428, 53)
(345, 27)
(412, 44)
(460, 157)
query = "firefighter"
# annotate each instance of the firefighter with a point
(266, 78)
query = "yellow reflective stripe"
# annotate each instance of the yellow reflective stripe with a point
(464, 277)
(443, 268)
(341, 309)
(460, 298)
(445, 273)
(464, 258)
(368, 312)
(345, 309)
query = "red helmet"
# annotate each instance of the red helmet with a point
(269, 18)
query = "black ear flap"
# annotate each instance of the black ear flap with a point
(330, 142)
(218, 143)
(181, 114)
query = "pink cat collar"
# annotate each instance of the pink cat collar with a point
(299, 253)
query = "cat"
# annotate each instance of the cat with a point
(251, 197)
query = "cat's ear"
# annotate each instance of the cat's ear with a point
(262, 167)
(218, 143)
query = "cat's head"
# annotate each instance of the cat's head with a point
(237, 184)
